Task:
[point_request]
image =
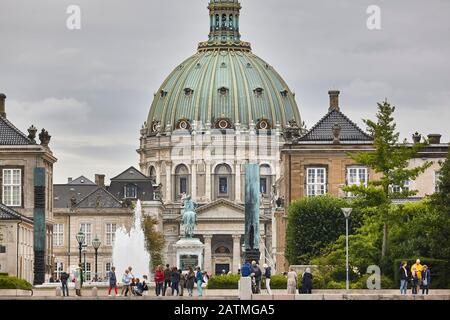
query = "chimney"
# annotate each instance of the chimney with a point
(100, 180)
(69, 180)
(434, 138)
(334, 100)
(2, 105)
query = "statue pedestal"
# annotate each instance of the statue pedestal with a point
(189, 253)
(252, 255)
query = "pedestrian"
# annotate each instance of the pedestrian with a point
(78, 277)
(291, 281)
(145, 285)
(138, 288)
(159, 280)
(307, 281)
(167, 273)
(182, 284)
(414, 280)
(257, 274)
(112, 281)
(419, 269)
(199, 280)
(64, 286)
(190, 280)
(175, 281)
(205, 277)
(403, 272)
(267, 276)
(426, 279)
(126, 280)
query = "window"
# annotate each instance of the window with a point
(400, 189)
(263, 185)
(87, 271)
(58, 235)
(2, 249)
(356, 176)
(130, 191)
(12, 187)
(183, 185)
(86, 228)
(316, 182)
(59, 269)
(223, 185)
(107, 269)
(110, 233)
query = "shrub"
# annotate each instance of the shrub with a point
(14, 283)
(313, 224)
(439, 271)
(3, 274)
(361, 283)
(277, 281)
(224, 282)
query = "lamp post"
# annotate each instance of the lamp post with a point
(96, 244)
(347, 212)
(80, 239)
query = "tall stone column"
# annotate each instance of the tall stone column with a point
(168, 182)
(237, 189)
(208, 189)
(208, 254)
(194, 181)
(236, 252)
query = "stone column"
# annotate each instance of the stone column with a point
(208, 254)
(194, 181)
(238, 193)
(158, 172)
(168, 182)
(208, 189)
(236, 252)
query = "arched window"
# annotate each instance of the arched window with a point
(181, 181)
(217, 22)
(152, 174)
(224, 21)
(265, 180)
(223, 181)
(231, 22)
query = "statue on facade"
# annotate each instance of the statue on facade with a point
(189, 216)
(45, 138)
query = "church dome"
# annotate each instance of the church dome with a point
(224, 84)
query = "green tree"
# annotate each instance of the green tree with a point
(390, 161)
(154, 241)
(314, 223)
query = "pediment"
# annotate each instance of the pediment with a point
(221, 209)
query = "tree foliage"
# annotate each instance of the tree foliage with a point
(154, 241)
(441, 199)
(314, 223)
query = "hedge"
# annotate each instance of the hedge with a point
(440, 271)
(3, 274)
(14, 283)
(224, 282)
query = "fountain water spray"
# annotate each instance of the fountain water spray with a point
(129, 249)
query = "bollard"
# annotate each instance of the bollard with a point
(94, 292)
(58, 291)
(245, 288)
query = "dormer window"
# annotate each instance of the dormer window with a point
(198, 66)
(223, 91)
(284, 93)
(249, 65)
(223, 123)
(263, 124)
(163, 93)
(223, 65)
(188, 92)
(130, 191)
(258, 92)
(183, 124)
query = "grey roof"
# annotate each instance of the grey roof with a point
(10, 135)
(7, 213)
(99, 198)
(323, 130)
(62, 193)
(131, 174)
(82, 181)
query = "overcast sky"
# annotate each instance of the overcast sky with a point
(92, 88)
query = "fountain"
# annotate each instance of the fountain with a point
(129, 248)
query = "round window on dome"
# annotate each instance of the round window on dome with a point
(223, 124)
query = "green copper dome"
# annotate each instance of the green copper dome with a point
(224, 80)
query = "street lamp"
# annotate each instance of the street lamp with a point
(96, 244)
(347, 212)
(80, 239)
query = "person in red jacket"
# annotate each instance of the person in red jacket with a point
(159, 280)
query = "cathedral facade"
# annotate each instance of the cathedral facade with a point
(219, 109)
